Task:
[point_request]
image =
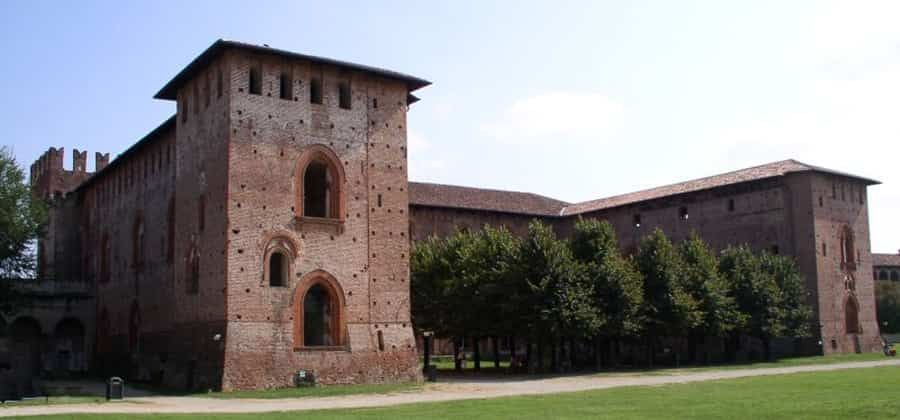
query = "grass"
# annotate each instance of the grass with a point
(855, 393)
(786, 362)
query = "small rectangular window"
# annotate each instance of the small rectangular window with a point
(683, 213)
(255, 81)
(775, 249)
(636, 220)
(315, 91)
(287, 82)
(344, 95)
(821, 203)
(730, 204)
(375, 103)
(824, 250)
(379, 200)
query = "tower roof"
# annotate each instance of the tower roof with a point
(217, 48)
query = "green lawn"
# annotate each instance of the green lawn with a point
(856, 393)
(786, 362)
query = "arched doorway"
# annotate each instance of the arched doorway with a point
(851, 316)
(319, 311)
(68, 340)
(26, 338)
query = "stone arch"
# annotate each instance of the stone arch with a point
(278, 260)
(68, 338)
(319, 311)
(319, 182)
(851, 316)
(26, 338)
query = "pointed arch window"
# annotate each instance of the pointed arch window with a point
(851, 316)
(319, 312)
(848, 250)
(320, 181)
(279, 256)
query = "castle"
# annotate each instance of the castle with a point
(265, 228)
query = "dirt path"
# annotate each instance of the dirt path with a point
(456, 390)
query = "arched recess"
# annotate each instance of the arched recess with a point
(68, 337)
(319, 182)
(851, 316)
(848, 248)
(26, 337)
(134, 328)
(278, 261)
(102, 344)
(319, 312)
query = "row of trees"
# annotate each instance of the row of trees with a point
(583, 292)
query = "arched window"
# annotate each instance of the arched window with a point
(278, 261)
(319, 312)
(277, 269)
(848, 250)
(895, 276)
(851, 316)
(316, 183)
(320, 183)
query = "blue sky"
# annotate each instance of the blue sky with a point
(574, 100)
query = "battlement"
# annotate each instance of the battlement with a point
(50, 179)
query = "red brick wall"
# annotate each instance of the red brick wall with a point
(367, 254)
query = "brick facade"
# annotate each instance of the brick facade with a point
(177, 235)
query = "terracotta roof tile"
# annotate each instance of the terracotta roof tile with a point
(452, 196)
(882, 260)
(768, 170)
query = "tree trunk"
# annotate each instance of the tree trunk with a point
(554, 355)
(476, 349)
(573, 352)
(457, 361)
(496, 348)
(540, 354)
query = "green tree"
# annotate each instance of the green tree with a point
(795, 312)
(669, 308)
(559, 291)
(887, 300)
(22, 218)
(702, 280)
(757, 294)
(617, 285)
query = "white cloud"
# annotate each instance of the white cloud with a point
(569, 117)
(421, 165)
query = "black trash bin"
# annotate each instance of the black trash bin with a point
(115, 388)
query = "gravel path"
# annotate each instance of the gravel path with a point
(449, 391)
